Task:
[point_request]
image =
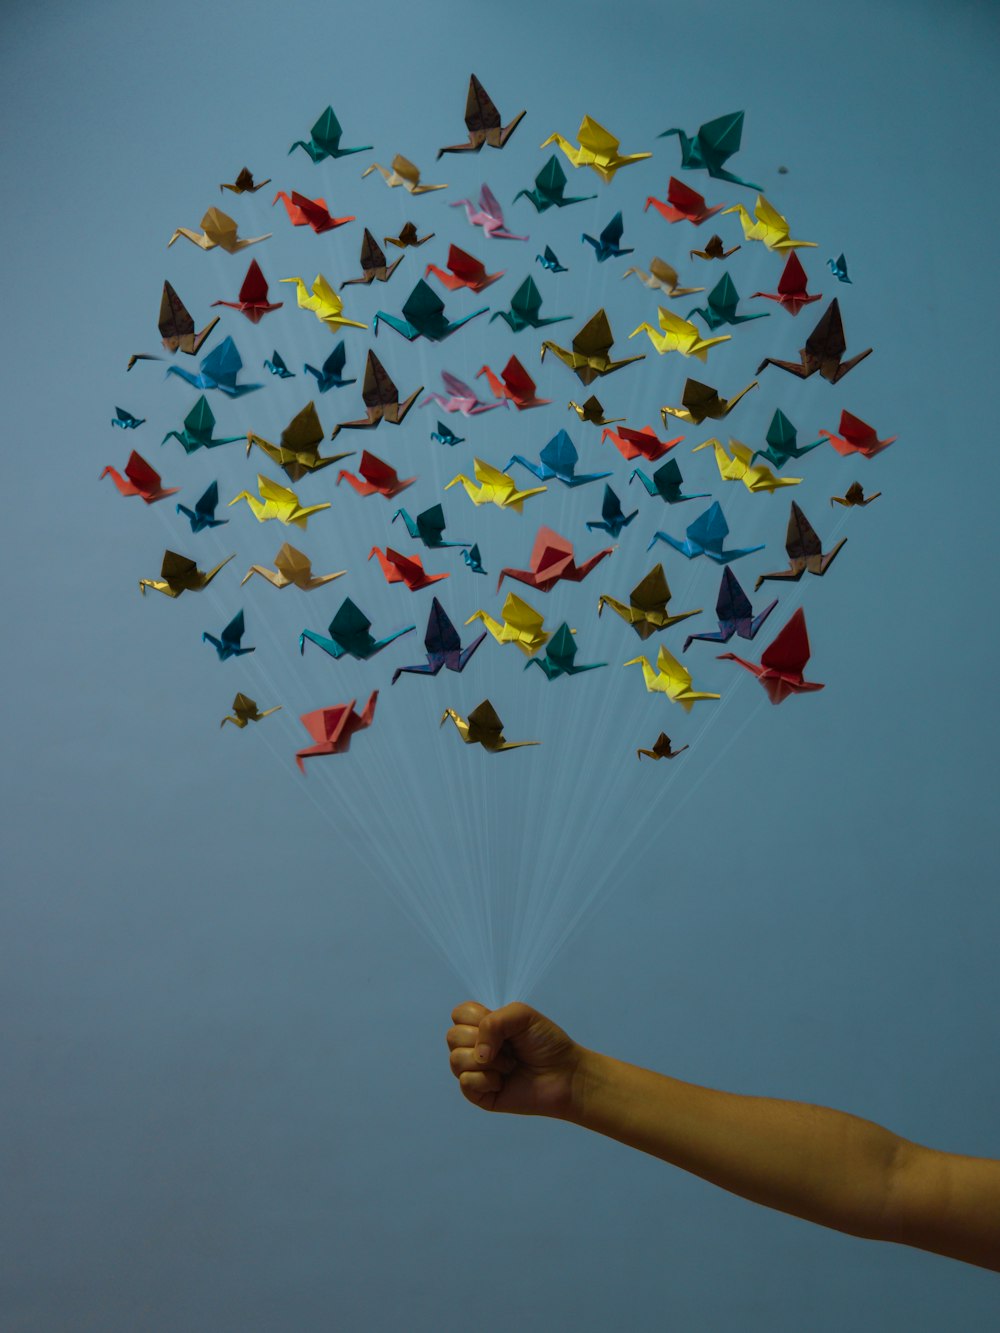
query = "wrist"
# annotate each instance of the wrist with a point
(586, 1079)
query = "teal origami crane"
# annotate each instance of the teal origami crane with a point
(549, 186)
(560, 656)
(714, 143)
(722, 302)
(324, 140)
(781, 442)
(550, 260)
(557, 461)
(198, 426)
(276, 365)
(350, 633)
(838, 267)
(203, 514)
(423, 316)
(445, 435)
(606, 245)
(331, 374)
(613, 518)
(228, 643)
(525, 308)
(427, 527)
(125, 420)
(218, 371)
(473, 559)
(705, 536)
(666, 482)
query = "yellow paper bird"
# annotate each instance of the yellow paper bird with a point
(291, 566)
(278, 502)
(180, 574)
(670, 679)
(483, 728)
(324, 302)
(298, 453)
(522, 625)
(245, 710)
(770, 227)
(591, 351)
(494, 487)
(661, 277)
(646, 609)
(598, 149)
(740, 467)
(678, 335)
(699, 401)
(218, 229)
(403, 173)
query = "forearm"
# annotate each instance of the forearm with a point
(815, 1163)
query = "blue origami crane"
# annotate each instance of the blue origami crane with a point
(203, 514)
(423, 316)
(350, 632)
(606, 246)
(734, 612)
(550, 260)
(331, 373)
(276, 365)
(705, 536)
(666, 482)
(557, 460)
(444, 647)
(444, 435)
(228, 644)
(715, 142)
(473, 559)
(838, 267)
(427, 527)
(218, 371)
(613, 518)
(560, 655)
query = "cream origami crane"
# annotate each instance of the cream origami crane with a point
(218, 229)
(678, 335)
(670, 679)
(522, 625)
(662, 277)
(291, 566)
(278, 502)
(404, 173)
(741, 467)
(494, 487)
(598, 149)
(771, 227)
(324, 302)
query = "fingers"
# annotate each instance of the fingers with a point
(463, 1061)
(500, 1025)
(481, 1088)
(469, 1012)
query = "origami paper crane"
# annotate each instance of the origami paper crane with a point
(473, 559)
(377, 478)
(305, 212)
(856, 437)
(198, 426)
(805, 551)
(613, 518)
(666, 482)
(245, 709)
(373, 265)
(713, 250)
(244, 183)
(854, 495)
(443, 644)
(722, 302)
(662, 277)
(706, 536)
(494, 487)
(734, 613)
(558, 460)
(741, 467)
(590, 356)
(324, 139)
(218, 371)
(781, 442)
(482, 120)
(710, 148)
(140, 356)
(253, 300)
(140, 479)
(292, 567)
(403, 173)
(483, 728)
(699, 401)
(671, 679)
(297, 454)
(598, 149)
(445, 435)
(276, 365)
(324, 302)
(278, 502)
(381, 400)
(423, 316)
(550, 260)
(782, 663)
(592, 410)
(662, 749)
(487, 214)
(682, 204)
(770, 227)
(678, 335)
(203, 514)
(550, 184)
(350, 632)
(521, 625)
(125, 420)
(823, 351)
(560, 656)
(525, 308)
(331, 374)
(516, 386)
(793, 289)
(606, 245)
(428, 527)
(179, 574)
(838, 267)
(399, 568)
(218, 229)
(462, 398)
(464, 270)
(646, 608)
(332, 728)
(177, 327)
(408, 237)
(228, 643)
(643, 443)
(552, 562)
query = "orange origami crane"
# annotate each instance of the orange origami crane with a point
(517, 385)
(643, 443)
(332, 728)
(377, 477)
(140, 479)
(856, 437)
(404, 569)
(683, 204)
(305, 212)
(465, 271)
(551, 561)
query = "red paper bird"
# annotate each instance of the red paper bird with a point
(139, 479)
(857, 437)
(306, 212)
(792, 293)
(551, 561)
(253, 300)
(332, 728)
(683, 204)
(781, 665)
(376, 477)
(466, 271)
(517, 385)
(404, 569)
(643, 443)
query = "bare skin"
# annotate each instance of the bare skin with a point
(810, 1161)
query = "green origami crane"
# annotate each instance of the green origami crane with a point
(525, 306)
(198, 426)
(714, 142)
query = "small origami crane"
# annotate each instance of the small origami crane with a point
(494, 487)
(423, 316)
(473, 559)
(198, 426)
(805, 551)
(552, 562)
(140, 479)
(592, 410)
(671, 679)
(711, 146)
(854, 495)
(483, 728)
(125, 420)
(613, 518)
(770, 227)
(218, 229)
(403, 173)
(856, 437)
(203, 514)
(324, 139)
(678, 335)
(734, 613)
(253, 300)
(557, 460)
(350, 633)
(427, 527)
(278, 502)
(464, 270)
(721, 306)
(443, 645)
(662, 277)
(487, 214)
(408, 237)
(177, 327)
(682, 204)
(838, 267)
(292, 567)
(713, 250)
(373, 265)
(606, 245)
(179, 574)
(590, 355)
(228, 643)
(646, 608)
(331, 374)
(324, 302)
(245, 184)
(699, 401)
(662, 749)
(643, 443)
(706, 536)
(560, 656)
(381, 400)
(741, 467)
(550, 260)
(377, 478)
(482, 120)
(218, 371)
(399, 568)
(521, 625)
(516, 386)
(666, 482)
(782, 663)
(781, 442)
(276, 365)
(598, 149)
(462, 398)
(793, 288)
(823, 351)
(550, 184)
(445, 435)
(525, 309)
(245, 709)
(297, 453)
(305, 212)
(332, 728)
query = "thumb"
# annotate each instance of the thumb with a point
(501, 1025)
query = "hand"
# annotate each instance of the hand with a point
(513, 1059)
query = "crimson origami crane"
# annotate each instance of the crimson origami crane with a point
(305, 212)
(552, 561)
(377, 477)
(332, 728)
(140, 479)
(682, 204)
(399, 568)
(253, 300)
(516, 386)
(782, 663)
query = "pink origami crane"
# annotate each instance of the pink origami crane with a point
(489, 215)
(551, 561)
(463, 398)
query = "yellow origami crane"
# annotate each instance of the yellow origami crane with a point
(218, 229)
(771, 227)
(699, 401)
(246, 710)
(483, 728)
(278, 502)
(291, 566)
(598, 149)
(591, 353)
(521, 625)
(670, 679)
(661, 277)
(298, 453)
(404, 173)
(494, 487)
(678, 335)
(180, 574)
(646, 608)
(324, 302)
(741, 467)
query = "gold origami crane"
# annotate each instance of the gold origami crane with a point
(592, 410)
(740, 467)
(646, 609)
(245, 708)
(699, 401)
(598, 149)
(278, 502)
(298, 453)
(522, 625)
(662, 748)
(324, 302)
(771, 227)
(661, 277)
(218, 229)
(403, 173)
(494, 487)
(483, 728)
(291, 566)
(678, 335)
(590, 356)
(245, 184)
(179, 574)
(854, 495)
(670, 679)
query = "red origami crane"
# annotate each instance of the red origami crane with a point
(517, 385)
(404, 569)
(376, 477)
(792, 293)
(306, 212)
(253, 300)
(643, 443)
(332, 728)
(552, 560)
(466, 271)
(857, 437)
(139, 479)
(683, 204)
(781, 665)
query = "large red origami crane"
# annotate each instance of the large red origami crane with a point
(683, 204)
(464, 270)
(305, 212)
(140, 479)
(332, 728)
(551, 561)
(516, 386)
(856, 437)
(781, 665)
(253, 300)
(793, 287)
(399, 568)
(377, 477)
